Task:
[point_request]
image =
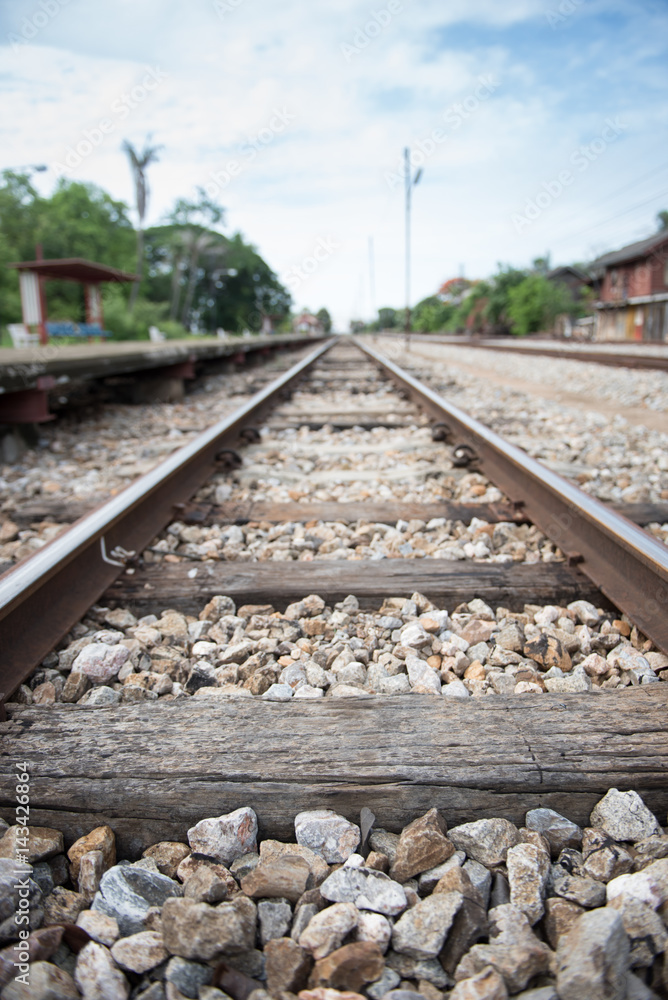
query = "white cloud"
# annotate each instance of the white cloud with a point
(324, 174)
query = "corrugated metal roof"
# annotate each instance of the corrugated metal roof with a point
(74, 269)
(642, 248)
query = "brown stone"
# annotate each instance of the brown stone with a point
(63, 906)
(44, 694)
(318, 867)
(46, 982)
(191, 864)
(422, 845)
(168, 855)
(478, 630)
(457, 880)
(205, 885)
(76, 685)
(475, 672)
(603, 858)
(548, 652)
(379, 862)
(560, 915)
(349, 967)
(287, 965)
(487, 985)
(43, 842)
(283, 877)
(100, 839)
(40, 945)
(91, 870)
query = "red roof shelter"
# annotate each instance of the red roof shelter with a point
(34, 273)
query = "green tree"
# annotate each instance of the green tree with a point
(534, 304)
(501, 285)
(431, 315)
(325, 320)
(662, 219)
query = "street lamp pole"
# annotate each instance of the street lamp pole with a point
(410, 183)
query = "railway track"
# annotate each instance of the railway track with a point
(613, 355)
(253, 607)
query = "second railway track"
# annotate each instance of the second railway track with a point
(254, 607)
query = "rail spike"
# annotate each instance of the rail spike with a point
(463, 456)
(228, 460)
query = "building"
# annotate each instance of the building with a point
(307, 323)
(633, 291)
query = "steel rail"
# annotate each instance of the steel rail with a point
(648, 362)
(46, 594)
(628, 565)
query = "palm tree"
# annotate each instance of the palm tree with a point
(138, 165)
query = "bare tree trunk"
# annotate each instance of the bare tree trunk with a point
(192, 280)
(140, 268)
(176, 285)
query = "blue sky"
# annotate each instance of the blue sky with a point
(314, 103)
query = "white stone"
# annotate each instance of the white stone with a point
(423, 678)
(624, 816)
(456, 689)
(367, 889)
(327, 834)
(225, 838)
(139, 952)
(97, 975)
(100, 662)
(374, 927)
(326, 930)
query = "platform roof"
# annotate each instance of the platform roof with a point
(74, 269)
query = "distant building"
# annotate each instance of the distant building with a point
(307, 323)
(578, 283)
(633, 291)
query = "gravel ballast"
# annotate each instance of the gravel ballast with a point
(347, 910)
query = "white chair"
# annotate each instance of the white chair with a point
(156, 335)
(21, 336)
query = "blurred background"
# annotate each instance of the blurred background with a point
(254, 153)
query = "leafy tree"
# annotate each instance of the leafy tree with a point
(500, 286)
(325, 320)
(534, 304)
(78, 220)
(662, 219)
(431, 315)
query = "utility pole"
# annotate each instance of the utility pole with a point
(372, 279)
(410, 182)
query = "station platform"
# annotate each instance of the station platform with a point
(45, 367)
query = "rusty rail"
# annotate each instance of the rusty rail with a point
(44, 596)
(625, 562)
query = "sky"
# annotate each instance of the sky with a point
(540, 126)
